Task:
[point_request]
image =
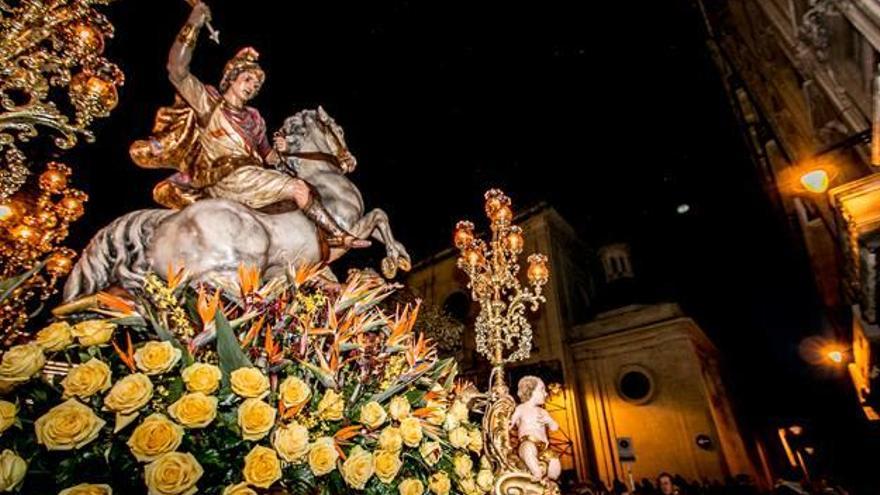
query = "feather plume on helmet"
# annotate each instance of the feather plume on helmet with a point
(245, 60)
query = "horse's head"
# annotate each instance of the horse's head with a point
(313, 134)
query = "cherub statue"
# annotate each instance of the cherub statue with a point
(532, 422)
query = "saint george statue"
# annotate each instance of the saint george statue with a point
(218, 145)
(234, 199)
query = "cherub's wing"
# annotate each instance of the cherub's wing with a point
(500, 445)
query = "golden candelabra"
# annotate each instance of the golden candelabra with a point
(52, 76)
(49, 49)
(503, 334)
(32, 226)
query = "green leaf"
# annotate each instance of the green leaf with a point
(228, 349)
(400, 385)
(8, 285)
(129, 321)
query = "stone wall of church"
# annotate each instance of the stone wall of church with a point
(646, 378)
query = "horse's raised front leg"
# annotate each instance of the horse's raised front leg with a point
(375, 224)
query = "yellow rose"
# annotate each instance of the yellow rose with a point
(468, 486)
(86, 380)
(8, 411)
(373, 415)
(291, 441)
(239, 489)
(411, 431)
(261, 467)
(438, 413)
(390, 439)
(293, 392)
(399, 407)
(331, 406)
(459, 437)
(439, 483)
(323, 456)
(87, 489)
(358, 468)
(93, 332)
(249, 382)
(459, 410)
(388, 464)
(411, 486)
(155, 358)
(194, 410)
(12, 470)
(129, 394)
(67, 426)
(476, 441)
(55, 337)
(451, 422)
(155, 436)
(21, 362)
(255, 418)
(463, 465)
(485, 480)
(174, 473)
(202, 377)
(431, 452)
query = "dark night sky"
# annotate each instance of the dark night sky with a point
(614, 115)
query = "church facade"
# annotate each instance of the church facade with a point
(636, 388)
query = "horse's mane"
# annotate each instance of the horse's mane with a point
(295, 128)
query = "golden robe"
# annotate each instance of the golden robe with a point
(217, 150)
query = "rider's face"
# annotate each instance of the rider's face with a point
(246, 85)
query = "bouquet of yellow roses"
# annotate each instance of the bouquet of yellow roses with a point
(289, 386)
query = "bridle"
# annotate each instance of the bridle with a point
(333, 159)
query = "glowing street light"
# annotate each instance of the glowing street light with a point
(835, 356)
(816, 181)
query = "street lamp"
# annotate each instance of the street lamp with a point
(816, 181)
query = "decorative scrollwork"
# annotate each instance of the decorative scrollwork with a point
(503, 334)
(48, 48)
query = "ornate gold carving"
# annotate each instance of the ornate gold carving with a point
(503, 333)
(46, 45)
(52, 75)
(512, 477)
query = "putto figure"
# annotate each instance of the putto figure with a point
(532, 422)
(219, 146)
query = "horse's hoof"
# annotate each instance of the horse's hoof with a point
(404, 264)
(389, 267)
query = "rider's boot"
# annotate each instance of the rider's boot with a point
(338, 236)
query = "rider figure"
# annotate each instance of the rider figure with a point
(219, 145)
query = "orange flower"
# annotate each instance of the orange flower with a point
(248, 278)
(207, 308)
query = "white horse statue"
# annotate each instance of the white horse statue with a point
(212, 237)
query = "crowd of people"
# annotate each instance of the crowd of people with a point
(669, 484)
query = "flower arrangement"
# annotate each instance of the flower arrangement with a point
(289, 386)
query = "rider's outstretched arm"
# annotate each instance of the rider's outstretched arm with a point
(190, 88)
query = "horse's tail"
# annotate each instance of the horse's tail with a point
(116, 254)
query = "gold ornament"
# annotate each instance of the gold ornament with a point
(44, 46)
(503, 333)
